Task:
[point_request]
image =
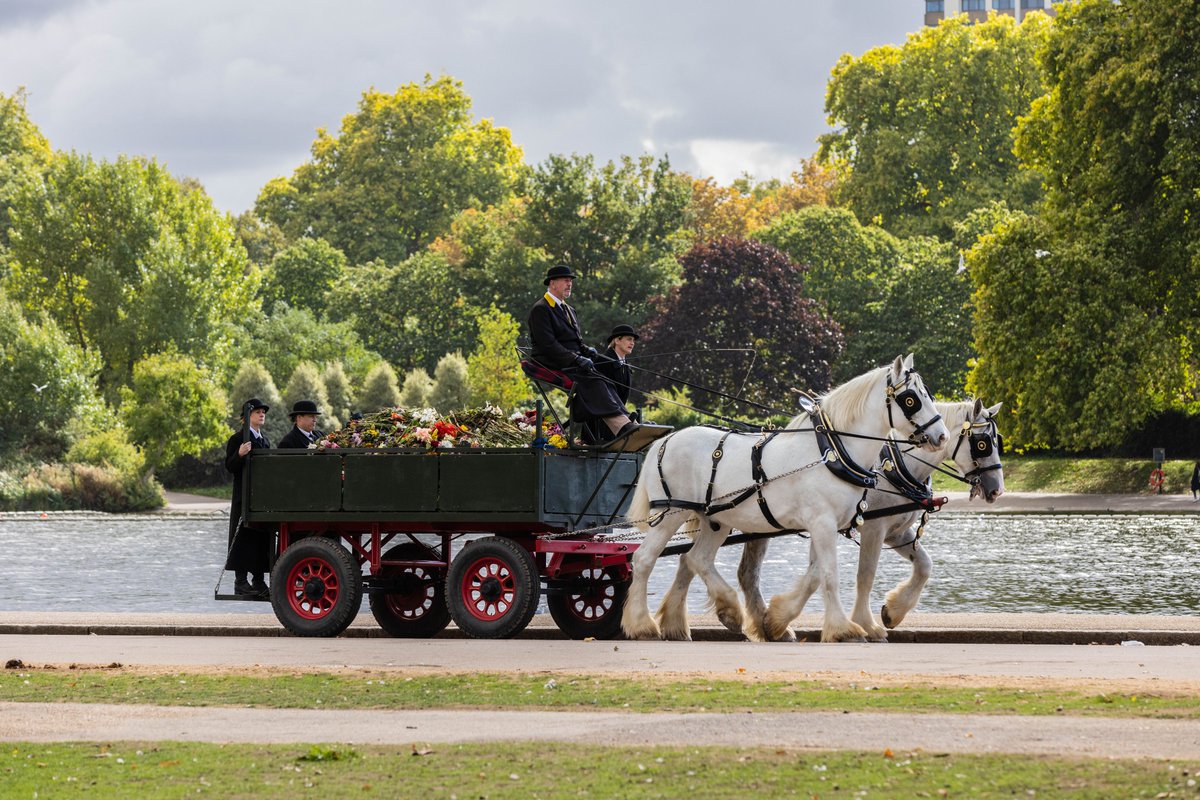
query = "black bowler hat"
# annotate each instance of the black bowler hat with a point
(622, 330)
(254, 404)
(558, 271)
(303, 407)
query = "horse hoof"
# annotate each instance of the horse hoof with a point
(887, 618)
(731, 621)
(675, 635)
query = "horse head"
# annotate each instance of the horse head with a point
(979, 460)
(906, 390)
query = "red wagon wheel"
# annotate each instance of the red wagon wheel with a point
(415, 604)
(590, 604)
(316, 588)
(493, 588)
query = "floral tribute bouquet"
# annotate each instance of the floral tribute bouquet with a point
(427, 429)
(552, 434)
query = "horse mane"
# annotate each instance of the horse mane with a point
(845, 404)
(955, 414)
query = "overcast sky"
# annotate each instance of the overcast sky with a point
(232, 91)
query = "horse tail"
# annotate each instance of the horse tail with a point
(639, 506)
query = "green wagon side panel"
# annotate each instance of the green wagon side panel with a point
(489, 482)
(391, 482)
(572, 479)
(295, 483)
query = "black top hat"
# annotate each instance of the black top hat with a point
(303, 407)
(558, 271)
(622, 330)
(253, 404)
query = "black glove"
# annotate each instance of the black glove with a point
(590, 352)
(584, 363)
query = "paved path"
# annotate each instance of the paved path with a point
(933, 733)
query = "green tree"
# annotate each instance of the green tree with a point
(451, 388)
(493, 369)
(339, 390)
(25, 155)
(396, 174)
(172, 409)
(850, 267)
(619, 227)
(416, 389)
(262, 240)
(253, 380)
(379, 390)
(305, 384)
(46, 382)
(743, 303)
(491, 258)
(287, 336)
(1086, 318)
(411, 314)
(302, 274)
(925, 309)
(129, 262)
(924, 132)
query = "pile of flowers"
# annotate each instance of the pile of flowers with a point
(425, 428)
(552, 433)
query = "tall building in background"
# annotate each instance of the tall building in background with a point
(977, 10)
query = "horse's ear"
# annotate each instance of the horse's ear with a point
(977, 409)
(994, 410)
(908, 362)
(898, 368)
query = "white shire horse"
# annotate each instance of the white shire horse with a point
(801, 479)
(975, 453)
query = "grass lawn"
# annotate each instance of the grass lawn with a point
(1082, 475)
(522, 771)
(219, 492)
(392, 690)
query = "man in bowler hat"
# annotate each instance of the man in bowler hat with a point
(249, 548)
(558, 344)
(304, 426)
(612, 366)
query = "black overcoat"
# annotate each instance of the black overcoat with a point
(249, 550)
(296, 438)
(557, 344)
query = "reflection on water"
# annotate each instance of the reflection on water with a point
(1091, 564)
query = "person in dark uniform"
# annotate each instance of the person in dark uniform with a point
(558, 344)
(249, 548)
(612, 366)
(304, 426)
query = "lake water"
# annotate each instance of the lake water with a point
(1088, 564)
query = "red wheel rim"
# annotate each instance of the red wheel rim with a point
(418, 601)
(489, 589)
(313, 588)
(597, 600)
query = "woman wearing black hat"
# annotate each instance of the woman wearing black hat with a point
(558, 344)
(304, 426)
(612, 366)
(249, 548)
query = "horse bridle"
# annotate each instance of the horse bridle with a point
(909, 400)
(982, 445)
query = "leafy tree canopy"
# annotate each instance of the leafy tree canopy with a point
(743, 295)
(924, 132)
(301, 275)
(396, 174)
(172, 409)
(128, 262)
(411, 314)
(618, 227)
(25, 155)
(284, 338)
(46, 382)
(849, 265)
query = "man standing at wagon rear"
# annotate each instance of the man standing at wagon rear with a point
(558, 344)
(249, 548)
